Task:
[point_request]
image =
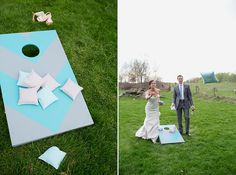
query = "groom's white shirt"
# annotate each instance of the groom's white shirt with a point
(182, 93)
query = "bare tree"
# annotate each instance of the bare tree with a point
(124, 73)
(132, 78)
(139, 70)
(146, 79)
(121, 77)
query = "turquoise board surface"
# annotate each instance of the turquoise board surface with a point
(28, 123)
(169, 137)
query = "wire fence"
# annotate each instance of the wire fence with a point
(223, 90)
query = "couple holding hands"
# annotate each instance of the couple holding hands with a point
(181, 102)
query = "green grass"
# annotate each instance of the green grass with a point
(224, 89)
(210, 150)
(87, 30)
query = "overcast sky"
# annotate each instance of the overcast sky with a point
(178, 36)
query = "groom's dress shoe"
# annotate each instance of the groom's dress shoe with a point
(188, 134)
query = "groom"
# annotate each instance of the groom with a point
(182, 100)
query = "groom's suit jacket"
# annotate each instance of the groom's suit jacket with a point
(187, 96)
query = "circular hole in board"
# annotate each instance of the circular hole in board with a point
(30, 50)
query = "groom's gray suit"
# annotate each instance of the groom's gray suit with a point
(182, 103)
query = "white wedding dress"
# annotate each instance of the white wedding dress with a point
(149, 130)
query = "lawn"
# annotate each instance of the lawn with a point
(88, 32)
(210, 149)
(224, 89)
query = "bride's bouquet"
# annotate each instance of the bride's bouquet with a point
(172, 108)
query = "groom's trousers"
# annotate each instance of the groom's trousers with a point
(182, 108)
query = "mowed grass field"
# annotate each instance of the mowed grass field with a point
(223, 89)
(210, 149)
(88, 32)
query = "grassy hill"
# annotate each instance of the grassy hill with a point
(224, 89)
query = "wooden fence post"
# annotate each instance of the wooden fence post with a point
(197, 89)
(214, 91)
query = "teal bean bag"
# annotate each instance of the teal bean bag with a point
(209, 77)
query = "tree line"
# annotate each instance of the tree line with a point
(137, 71)
(222, 77)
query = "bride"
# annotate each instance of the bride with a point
(149, 130)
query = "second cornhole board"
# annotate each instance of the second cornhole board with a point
(28, 123)
(169, 137)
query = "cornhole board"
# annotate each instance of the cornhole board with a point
(29, 123)
(166, 136)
